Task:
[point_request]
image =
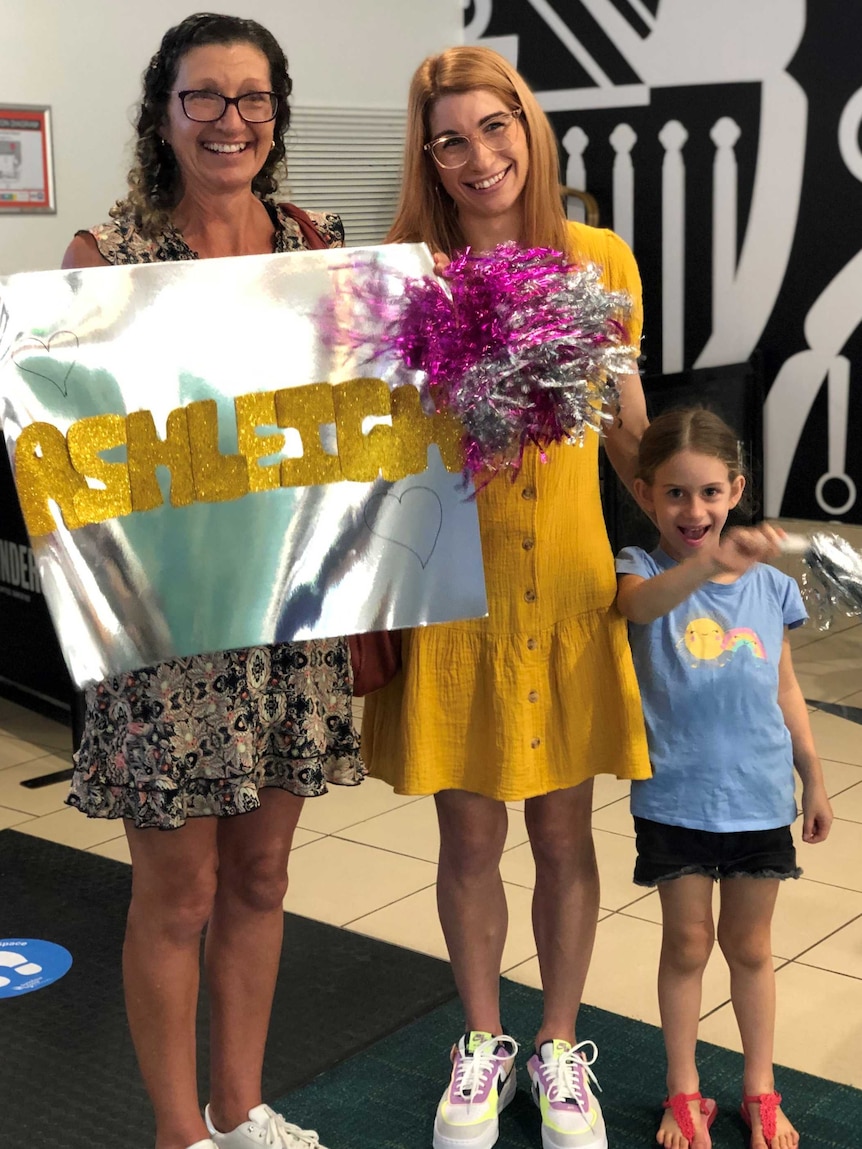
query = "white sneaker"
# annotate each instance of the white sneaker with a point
(205, 1144)
(571, 1117)
(481, 1086)
(264, 1127)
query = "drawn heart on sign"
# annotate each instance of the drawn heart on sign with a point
(31, 346)
(414, 524)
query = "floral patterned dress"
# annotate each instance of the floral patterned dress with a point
(203, 735)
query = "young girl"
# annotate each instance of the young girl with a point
(726, 724)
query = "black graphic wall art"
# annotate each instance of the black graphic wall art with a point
(722, 141)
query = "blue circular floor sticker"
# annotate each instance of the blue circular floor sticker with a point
(27, 964)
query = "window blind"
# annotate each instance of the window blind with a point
(347, 160)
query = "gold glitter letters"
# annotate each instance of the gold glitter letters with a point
(54, 467)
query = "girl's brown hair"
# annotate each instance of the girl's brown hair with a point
(692, 429)
(425, 211)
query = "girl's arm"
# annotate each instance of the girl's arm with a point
(816, 809)
(643, 600)
(622, 436)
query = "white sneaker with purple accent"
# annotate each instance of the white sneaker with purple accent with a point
(571, 1117)
(481, 1086)
(264, 1127)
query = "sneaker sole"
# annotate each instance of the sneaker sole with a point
(488, 1137)
(570, 1141)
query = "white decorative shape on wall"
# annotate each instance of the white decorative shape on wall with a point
(773, 214)
(673, 137)
(705, 42)
(582, 99)
(575, 142)
(507, 46)
(567, 37)
(725, 188)
(838, 414)
(829, 324)
(482, 11)
(623, 138)
(848, 134)
(640, 9)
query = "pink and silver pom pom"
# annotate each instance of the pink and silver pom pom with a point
(524, 346)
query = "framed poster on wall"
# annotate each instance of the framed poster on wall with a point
(26, 163)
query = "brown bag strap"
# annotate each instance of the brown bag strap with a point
(312, 236)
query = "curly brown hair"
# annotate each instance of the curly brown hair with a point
(154, 178)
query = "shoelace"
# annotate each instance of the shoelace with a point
(282, 1134)
(473, 1071)
(566, 1082)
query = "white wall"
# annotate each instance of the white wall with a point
(85, 59)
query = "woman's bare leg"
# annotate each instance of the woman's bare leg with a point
(243, 949)
(173, 887)
(471, 900)
(565, 902)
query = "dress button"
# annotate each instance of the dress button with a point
(535, 744)
(528, 544)
(528, 493)
(529, 596)
(531, 644)
(533, 696)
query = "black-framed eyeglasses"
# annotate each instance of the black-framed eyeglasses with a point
(205, 107)
(453, 151)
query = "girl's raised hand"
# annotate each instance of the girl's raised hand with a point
(742, 547)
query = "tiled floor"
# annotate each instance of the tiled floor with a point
(364, 859)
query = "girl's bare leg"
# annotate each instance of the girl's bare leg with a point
(745, 937)
(688, 935)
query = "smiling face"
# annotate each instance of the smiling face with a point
(227, 154)
(690, 497)
(488, 189)
(704, 639)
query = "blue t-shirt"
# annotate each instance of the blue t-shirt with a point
(708, 673)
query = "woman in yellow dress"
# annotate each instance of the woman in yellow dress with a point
(536, 699)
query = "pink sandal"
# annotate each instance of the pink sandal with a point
(768, 1103)
(678, 1105)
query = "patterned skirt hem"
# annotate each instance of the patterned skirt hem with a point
(169, 809)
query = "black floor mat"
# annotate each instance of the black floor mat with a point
(68, 1076)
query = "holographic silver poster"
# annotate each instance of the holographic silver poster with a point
(200, 469)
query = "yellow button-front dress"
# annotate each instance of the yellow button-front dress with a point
(541, 694)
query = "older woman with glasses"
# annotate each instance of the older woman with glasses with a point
(249, 732)
(534, 701)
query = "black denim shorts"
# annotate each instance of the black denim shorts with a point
(666, 852)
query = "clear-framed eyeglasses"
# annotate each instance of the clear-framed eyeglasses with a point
(451, 151)
(205, 107)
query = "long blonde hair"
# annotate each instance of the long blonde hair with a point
(425, 211)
